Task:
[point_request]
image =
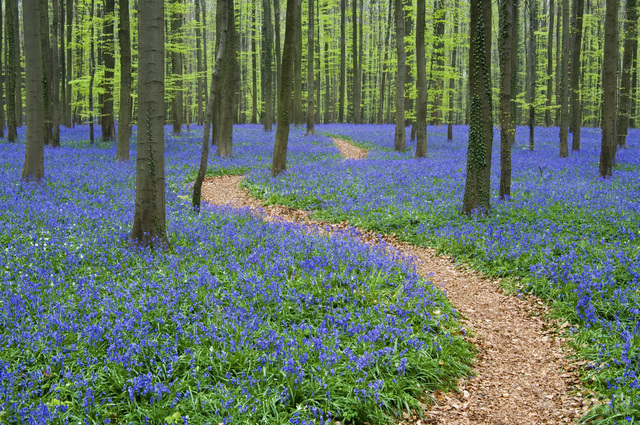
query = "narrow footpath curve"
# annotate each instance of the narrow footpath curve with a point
(522, 375)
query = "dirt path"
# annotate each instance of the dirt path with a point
(522, 376)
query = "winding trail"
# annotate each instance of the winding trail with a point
(522, 374)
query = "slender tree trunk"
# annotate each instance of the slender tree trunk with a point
(547, 112)
(176, 67)
(635, 92)
(452, 81)
(437, 61)
(609, 87)
(564, 123)
(254, 71)
(205, 65)
(213, 94)
(297, 70)
(18, 67)
(199, 88)
(33, 169)
(385, 72)
(62, 86)
(343, 58)
(92, 71)
(533, 26)
(12, 67)
(421, 80)
(55, 75)
(149, 228)
(229, 81)
(69, 53)
(276, 11)
(357, 82)
(109, 60)
(630, 48)
(311, 112)
(286, 85)
(477, 189)
(327, 86)
(124, 126)
(317, 67)
(47, 77)
(267, 64)
(2, 78)
(514, 66)
(576, 50)
(399, 143)
(507, 129)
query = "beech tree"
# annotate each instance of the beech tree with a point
(2, 117)
(564, 110)
(149, 223)
(507, 127)
(311, 113)
(609, 87)
(13, 67)
(399, 143)
(630, 49)
(109, 60)
(124, 38)
(576, 50)
(267, 64)
(421, 82)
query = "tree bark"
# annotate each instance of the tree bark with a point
(213, 94)
(564, 110)
(437, 61)
(576, 50)
(199, 87)
(547, 112)
(421, 82)
(33, 169)
(47, 72)
(630, 47)
(228, 81)
(357, 82)
(311, 112)
(92, 71)
(55, 75)
(69, 52)
(254, 70)
(400, 142)
(533, 26)
(108, 49)
(385, 72)
(343, 58)
(452, 81)
(297, 71)
(2, 116)
(276, 12)
(267, 64)
(12, 67)
(176, 67)
(609, 87)
(286, 85)
(149, 227)
(124, 126)
(477, 189)
(507, 129)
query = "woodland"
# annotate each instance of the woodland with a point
(499, 135)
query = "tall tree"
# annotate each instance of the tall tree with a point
(564, 109)
(311, 112)
(421, 82)
(213, 94)
(297, 72)
(47, 72)
(576, 50)
(286, 86)
(630, 49)
(228, 80)
(13, 65)
(69, 63)
(609, 87)
(357, 82)
(276, 21)
(200, 90)
(55, 74)
(399, 142)
(547, 112)
(109, 59)
(532, 77)
(343, 58)
(437, 61)
(477, 188)
(452, 81)
(124, 39)
(267, 64)
(33, 169)
(149, 224)
(507, 128)
(176, 66)
(92, 71)
(2, 117)
(254, 67)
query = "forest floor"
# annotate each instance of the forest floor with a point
(522, 371)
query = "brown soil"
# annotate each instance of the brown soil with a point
(522, 375)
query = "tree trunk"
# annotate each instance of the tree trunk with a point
(630, 47)
(286, 85)
(343, 58)
(297, 70)
(547, 112)
(92, 71)
(69, 52)
(609, 87)
(108, 48)
(576, 107)
(635, 92)
(514, 66)
(2, 117)
(199, 87)
(357, 82)
(45, 49)
(228, 81)
(437, 61)
(276, 12)
(267, 64)
(327, 86)
(33, 169)
(564, 122)
(421, 82)
(254, 70)
(213, 94)
(399, 142)
(385, 72)
(452, 80)
(477, 189)
(55, 75)
(149, 228)
(205, 65)
(507, 129)
(12, 67)
(533, 26)
(311, 112)
(124, 126)
(176, 67)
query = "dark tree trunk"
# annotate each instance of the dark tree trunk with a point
(92, 71)
(286, 85)
(124, 126)
(343, 58)
(108, 49)
(421, 80)
(630, 47)
(297, 70)
(55, 75)
(514, 66)
(609, 87)
(213, 94)
(33, 169)
(45, 49)
(533, 26)
(399, 142)
(2, 117)
(452, 80)
(267, 65)
(477, 189)
(149, 228)
(576, 107)
(12, 67)
(327, 86)
(69, 52)
(547, 112)
(357, 83)
(385, 72)
(199, 88)
(564, 111)
(254, 71)
(62, 86)
(205, 65)
(276, 12)
(507, 129)
(228, 81)
(437, 61)
(176, 67)
(311, 112)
